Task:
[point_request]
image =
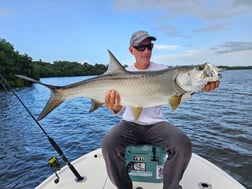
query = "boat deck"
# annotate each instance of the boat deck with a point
(200, 174)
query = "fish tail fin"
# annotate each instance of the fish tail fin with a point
(55, 99)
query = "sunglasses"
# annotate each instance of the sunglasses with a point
(143, 47)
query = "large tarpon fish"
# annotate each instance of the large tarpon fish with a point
(137, 89)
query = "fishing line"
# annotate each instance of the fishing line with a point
(4, 87)
(5, 83)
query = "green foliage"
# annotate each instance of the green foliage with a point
(235, 67)
(11, 63)
(66, 68)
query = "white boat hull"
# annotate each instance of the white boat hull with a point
(200, 174)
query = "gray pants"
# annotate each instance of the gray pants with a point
(162, 134)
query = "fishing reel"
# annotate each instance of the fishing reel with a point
(55, 165)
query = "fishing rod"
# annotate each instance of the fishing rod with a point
(50, 139)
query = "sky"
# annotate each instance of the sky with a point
(187, 31)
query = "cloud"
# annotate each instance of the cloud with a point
(199, 56)
(187, 57)
(229, 47)
(214, 27)
(137, 4)
(169, 30)
(243, 3)
(5, 12)
(204, 9)
(166, 47)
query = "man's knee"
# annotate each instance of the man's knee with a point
(106, 142)
(184, 143)
(110, 142)
(185, 150)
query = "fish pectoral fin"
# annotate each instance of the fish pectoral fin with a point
(95, 105)
(174, 102)
(136, 111)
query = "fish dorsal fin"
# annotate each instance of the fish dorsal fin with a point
(136, 111)
(115, 67)
(174, 102)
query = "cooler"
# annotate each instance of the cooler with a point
(145, 162)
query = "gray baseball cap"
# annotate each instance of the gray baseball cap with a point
(139, 36)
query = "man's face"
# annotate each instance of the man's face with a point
(142, 53)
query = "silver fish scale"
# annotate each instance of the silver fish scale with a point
(140, 89)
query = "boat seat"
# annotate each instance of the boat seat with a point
(145, 162)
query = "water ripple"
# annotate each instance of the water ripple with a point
(219, 124)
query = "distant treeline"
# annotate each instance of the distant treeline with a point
(66, 68)
(235, 67)
(12, 62)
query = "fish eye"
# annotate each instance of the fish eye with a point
(201, 67)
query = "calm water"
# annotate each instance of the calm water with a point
(219, 124)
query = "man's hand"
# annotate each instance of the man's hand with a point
(211, 86)
(112, 101)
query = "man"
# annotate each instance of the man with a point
(151, 127)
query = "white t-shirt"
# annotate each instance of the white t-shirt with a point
(148, 115)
